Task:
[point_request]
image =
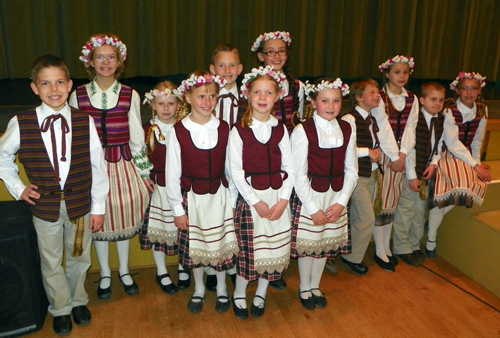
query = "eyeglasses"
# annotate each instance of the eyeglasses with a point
(273, 52)
(102, 59)
(466, 89)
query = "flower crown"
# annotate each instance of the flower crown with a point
(463, 75)
(285, 36)
(337, 84)
(397, 59)
(196, 81)
(99, 41)
(149, 97)
(256, 72)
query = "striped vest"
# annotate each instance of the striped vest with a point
(467, 130)
(157, 158)
(242, 108)
(34, 157)
(284, 108)
(423, 146)
(363, 140)
(262, 161)
(202, 169)
(111, 124)
(398, 121)
(326, 166)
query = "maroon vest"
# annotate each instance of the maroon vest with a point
(202, 169)
(112, 124)
(33, 155)
(326, 166)
(423, 150)
(284, 108)
(398, 121)
(262, 161)
(363, 140)
(466, 131)
(157, 158)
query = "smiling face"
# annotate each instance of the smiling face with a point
(53, 87)
(369, 99)
(468, 90)
(166, 107)
(278, 60)
(203, 100)
(105, 61)
(227, 65)
(433, 101)
(328, 103)
(262, 95)
(398, 76)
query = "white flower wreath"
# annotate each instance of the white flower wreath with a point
(337, 84)
(268, 70)
(99, 41)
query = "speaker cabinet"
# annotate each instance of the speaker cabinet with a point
(23, 303)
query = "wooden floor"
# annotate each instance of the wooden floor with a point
(434, 300)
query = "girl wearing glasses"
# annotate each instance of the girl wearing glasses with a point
(116, 112)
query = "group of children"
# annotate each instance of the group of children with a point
(237, 180)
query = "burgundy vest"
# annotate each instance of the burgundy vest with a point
(157, 158)
(262, 161)
(284, 108)
(33, 155)
(423, 145)
(398, 121)
(202, 169)
(112, 124)
(466, 131)
(363, 140)
(326, 166)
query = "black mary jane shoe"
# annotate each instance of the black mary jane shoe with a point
(103, 293)
(240, 313)
(62, 325)
(211, 283)
(394, 261)
(278, 284)
(258, 311)
(308, 303)
(81, 315)
(431, 254)
(222, 307)
(319, 301)
(387, 266)
(169, 289)
(131, 289)
(195, 307)
(184, 284)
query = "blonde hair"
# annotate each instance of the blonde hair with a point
(90, 70)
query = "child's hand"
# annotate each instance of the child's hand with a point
(96, 222)
(277, 210)
(319, 218)
(334, 212)
(29, 193)
(482, 172)
(399, 165)
(485, 166)
(429, 172)
(182, 222)
(414, 185)
(263, 209)
(149, 184)
(375, 155)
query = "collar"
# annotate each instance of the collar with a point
(363, 112)
(94, 88)
(272, 122)
(427, 115)
(233, 91)
(467, 113)
(190, 125)
(404, 93)
(45, 110)
(325, 124)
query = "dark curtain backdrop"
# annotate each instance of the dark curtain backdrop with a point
(345, 38)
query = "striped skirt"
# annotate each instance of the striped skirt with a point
(388, 193)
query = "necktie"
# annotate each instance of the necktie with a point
(234, 103)
(370, 120)
(49, 123)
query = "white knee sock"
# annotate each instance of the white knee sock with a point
(102, 250)
(387, 239)
(123, 252)
(161, 268)
(436, 216)
(261, 291)
(378, 237)
(318, 265)
(240, 292)
(305, 271)
(221, 284)
(199, 287)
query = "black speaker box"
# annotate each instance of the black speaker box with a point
(23, 303)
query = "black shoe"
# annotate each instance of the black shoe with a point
(131, 289)
(420, 256)
(308, 303)
(62, 325)
(211, 283)
(103, 294)
(409, 259)
(240, 313)
(81, 315)
(431, 254)
(360, 268)
(233, 278)
(196, 307)
(222, 307)
(387, 266)
(319, 301)
(393, 260)
(278, 284)
(258, 311)
(184, 284)
(169, 289)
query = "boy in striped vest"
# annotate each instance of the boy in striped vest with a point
(62, 155)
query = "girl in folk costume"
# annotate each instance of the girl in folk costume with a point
(400, 107)
(460, 178)
(261, 167)
(272, 50)
(326, 172)
(159, 231)
(198, 189)
(116, 112)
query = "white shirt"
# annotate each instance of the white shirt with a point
(329, 136)
(262, 132)
(11, 142)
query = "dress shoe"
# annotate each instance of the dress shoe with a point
(211, 283)
(420, 256)
(387, 266)
(103, 294)
(81, 315)
(319, 301)
(196, 307)
(169, 289)
(62, 325)
(240, 313)
(131, 289)
(409, 259)
(431, 254)
(308, 303)
(184, 284)
(360, 268)
(278, 284)
(258, 311)
(393, 260)
(222, 307)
